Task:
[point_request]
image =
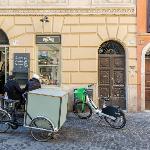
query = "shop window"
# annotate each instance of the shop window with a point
(49, 59)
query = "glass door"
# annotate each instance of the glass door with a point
(4, 63)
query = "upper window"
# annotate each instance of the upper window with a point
(49, 59)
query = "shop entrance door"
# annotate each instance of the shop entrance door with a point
(4, 47)
(112, 73)
(147, 81)
(4, 66)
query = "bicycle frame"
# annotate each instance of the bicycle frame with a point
(96, 109)
(10, 118)
(13, 119)
(113, 115)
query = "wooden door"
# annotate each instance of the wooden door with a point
(112, 73)
(147, 82)
(148, 16)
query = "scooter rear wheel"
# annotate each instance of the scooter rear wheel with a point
(119, 122)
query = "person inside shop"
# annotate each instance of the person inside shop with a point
(13, 90)
(33, 83)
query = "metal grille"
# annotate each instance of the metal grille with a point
(111, 47)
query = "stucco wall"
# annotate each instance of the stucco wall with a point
(71, 3)
(81, 38)
(83, 26)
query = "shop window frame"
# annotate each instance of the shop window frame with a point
(50, 65)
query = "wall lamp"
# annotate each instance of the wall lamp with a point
(44, 19)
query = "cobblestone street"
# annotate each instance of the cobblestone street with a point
(89, 134)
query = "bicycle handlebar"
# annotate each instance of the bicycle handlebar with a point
(90, 85)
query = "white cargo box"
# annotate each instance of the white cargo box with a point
(50, 103)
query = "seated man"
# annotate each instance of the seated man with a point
(13, 89)
(33, 83)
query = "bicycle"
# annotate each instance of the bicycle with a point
(84, 107)
(40, 127)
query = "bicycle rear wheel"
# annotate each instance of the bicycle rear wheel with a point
(41, 129)
(119, 122)
(82, 110)
(4, 120)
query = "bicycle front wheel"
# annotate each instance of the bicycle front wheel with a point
(4, 120)
(119, 122)
(83, 110)
(41, 129)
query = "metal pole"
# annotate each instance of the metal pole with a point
(5, 64)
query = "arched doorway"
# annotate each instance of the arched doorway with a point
(112, 73)
(4, 59)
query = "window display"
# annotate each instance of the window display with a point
(48, 63)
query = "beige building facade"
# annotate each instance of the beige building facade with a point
(83, 27)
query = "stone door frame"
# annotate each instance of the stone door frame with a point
(145, 49)
(128, 88)
(112, 73)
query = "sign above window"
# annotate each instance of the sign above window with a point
(48, 39)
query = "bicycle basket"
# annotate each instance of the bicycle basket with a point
(79, 94)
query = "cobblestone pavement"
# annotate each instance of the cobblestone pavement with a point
(89, 134)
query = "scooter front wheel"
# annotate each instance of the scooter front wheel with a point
(119, 121)
(82, 110)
